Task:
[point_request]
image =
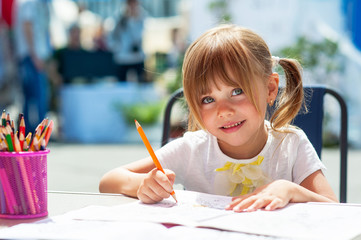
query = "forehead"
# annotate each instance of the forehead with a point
(219, 76)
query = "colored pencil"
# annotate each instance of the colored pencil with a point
(2, 199)
(10, 197)
(3, 146)
(9, 141)
(15, 169)
(8, 119)
(3, 118)
(25, 177)
(49, 129)
(28, 138)
(12, 126)
(151, 152)
(22, 132)
(35, 144)
(17, 144)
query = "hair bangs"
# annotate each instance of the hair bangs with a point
(219, 56)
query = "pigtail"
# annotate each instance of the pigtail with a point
(291, 99)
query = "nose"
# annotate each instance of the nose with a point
(225, 109)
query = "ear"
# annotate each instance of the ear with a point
(273, 82)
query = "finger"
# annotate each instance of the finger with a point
(159, 190)
(170, 175)
(151, 189)
(242, 196)
(275, 204)
(241, 204)
(163, 181)
(147, 195)
(258, 204)
(235, 202)
(145, 199)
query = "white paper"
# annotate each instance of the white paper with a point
(297, 221)
(198, 215)
(191, 209)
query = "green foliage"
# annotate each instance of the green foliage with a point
(312, 55)
(145, 113)
(324, 62)
(220, 9)
(176, 82)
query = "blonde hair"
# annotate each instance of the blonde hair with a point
(246, 56)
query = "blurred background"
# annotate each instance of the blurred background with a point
(92, 66)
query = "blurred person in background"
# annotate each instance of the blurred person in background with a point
(177, 51)
(33, 49)
(7, 66)
(58, 58)
(56, 69)
(127, 40)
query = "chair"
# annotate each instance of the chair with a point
(311, 123)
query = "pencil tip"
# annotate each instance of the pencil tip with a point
(175, 198)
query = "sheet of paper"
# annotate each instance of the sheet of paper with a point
(74, 229)
(303, 221)
(191, 209)
(297, 221)
(198, 215)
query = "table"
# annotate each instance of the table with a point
(60, 202)
(102, 216)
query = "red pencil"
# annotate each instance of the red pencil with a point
(22, 132)
(49, 129)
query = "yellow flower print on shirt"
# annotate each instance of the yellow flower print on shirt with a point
(244, 177)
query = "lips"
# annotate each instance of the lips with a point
(233, 125)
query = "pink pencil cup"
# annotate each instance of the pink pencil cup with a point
(23, 184)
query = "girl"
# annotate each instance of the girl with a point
(231, 149)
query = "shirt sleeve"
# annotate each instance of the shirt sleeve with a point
(307, 160)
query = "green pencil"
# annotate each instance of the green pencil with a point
(8, 138)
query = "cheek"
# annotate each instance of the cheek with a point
(207, 117)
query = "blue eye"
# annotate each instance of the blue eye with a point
(237, 91)
(207, 100)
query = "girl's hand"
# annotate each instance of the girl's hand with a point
(270, 197)
(156, 186)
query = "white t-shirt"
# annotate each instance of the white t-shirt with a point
(196, 156)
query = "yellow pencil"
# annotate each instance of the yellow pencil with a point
(151, 152)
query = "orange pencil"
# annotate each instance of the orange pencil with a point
(17, 146)
(35, 145)
(49, 129)
(151, 152)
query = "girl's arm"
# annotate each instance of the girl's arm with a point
(279, 193)
(139, 179)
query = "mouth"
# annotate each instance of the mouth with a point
(233, 125)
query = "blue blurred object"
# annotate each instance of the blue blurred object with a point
(352, 11)
(90, 114)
